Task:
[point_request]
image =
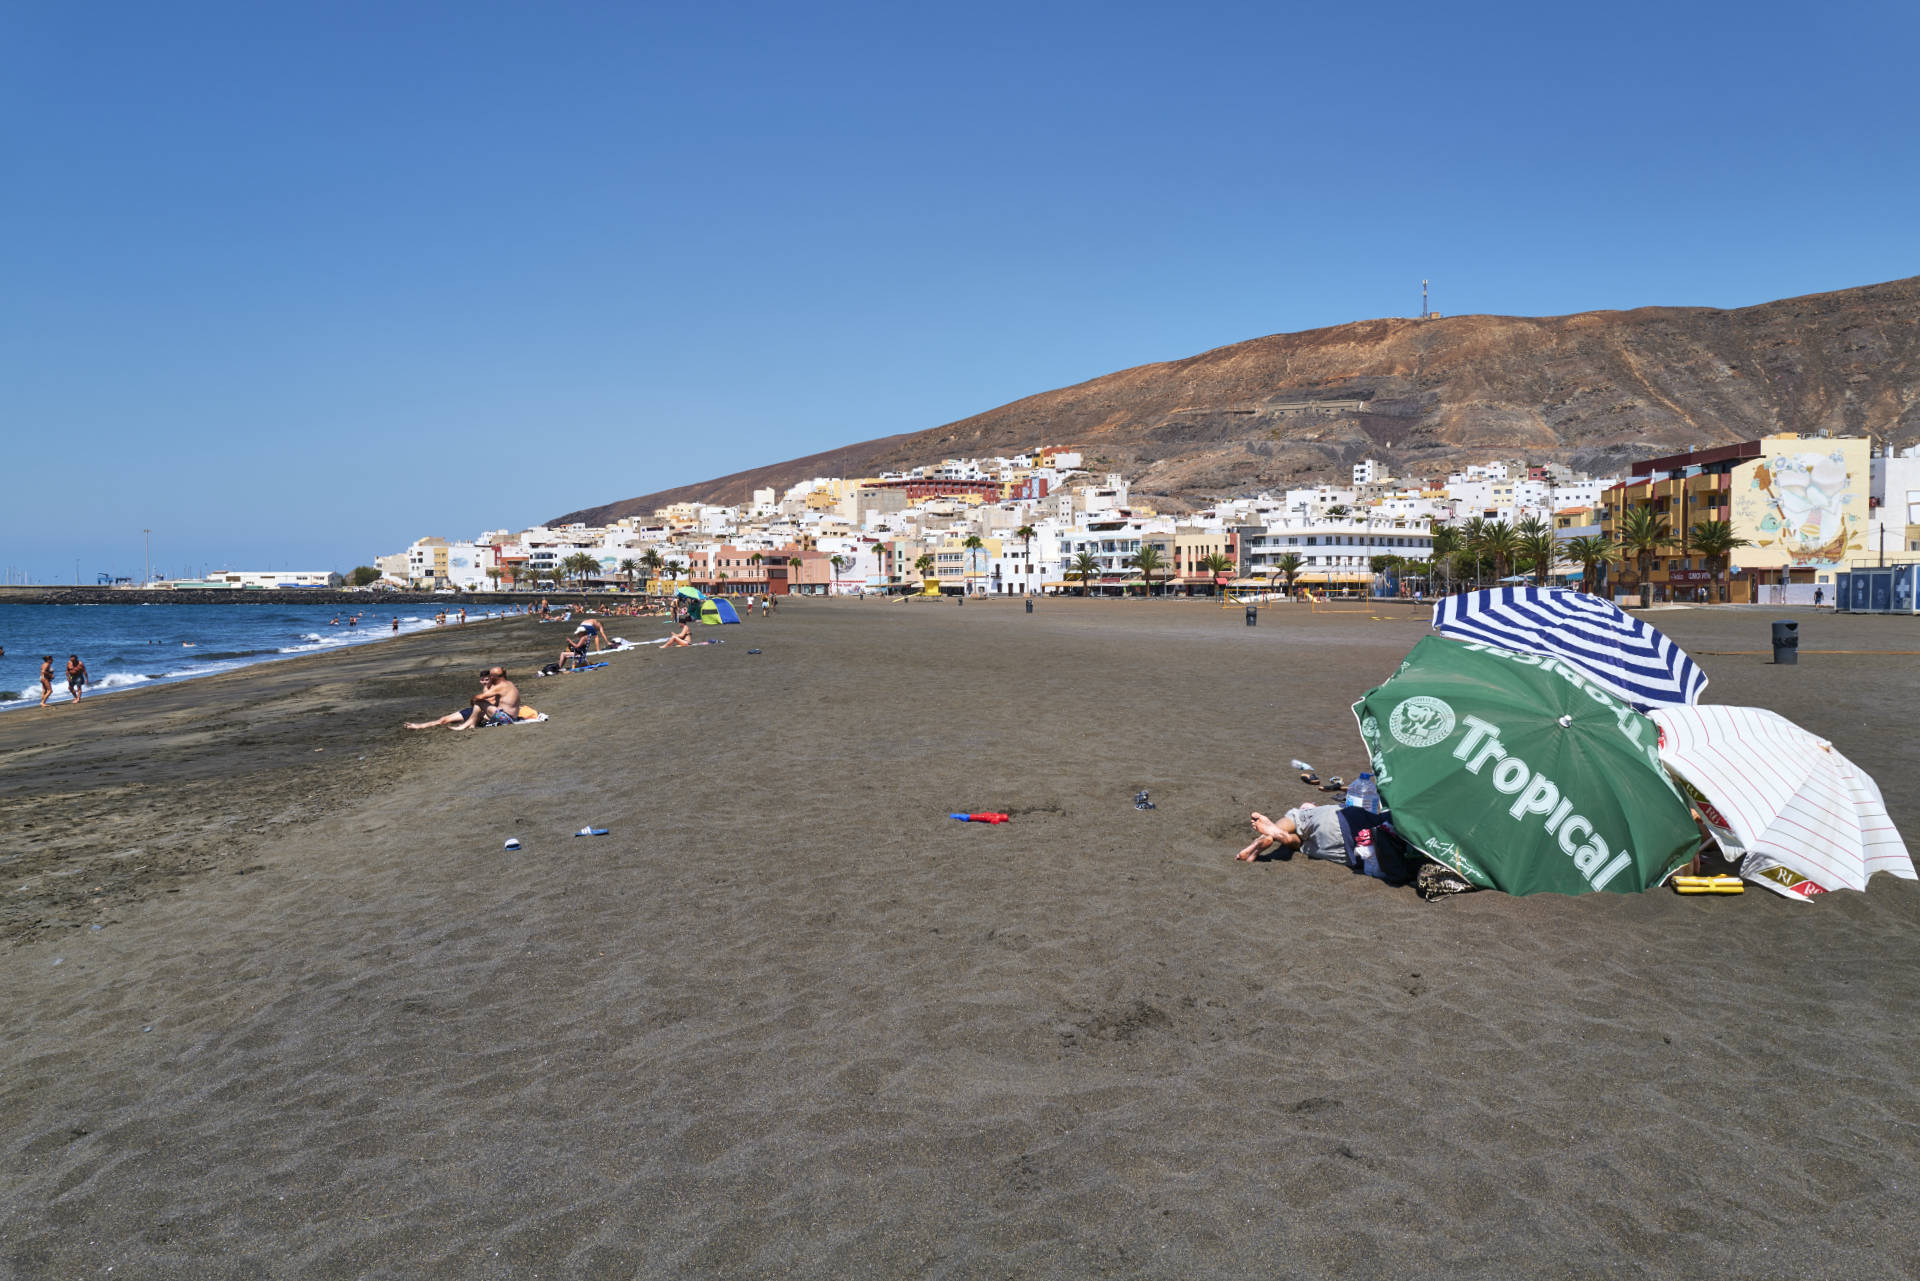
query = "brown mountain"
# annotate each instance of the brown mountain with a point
(1597, 390)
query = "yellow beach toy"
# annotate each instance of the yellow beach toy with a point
(1709, 885)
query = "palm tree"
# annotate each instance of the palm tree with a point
(1338, 510)
(1149, 562)
(924, 563)
(1218, 567)
(1084, 568)
(839, 563)
(1591, 551)
(1715, 540)
(1538, 546)
(880, 562)
(650, 564)
(1500, 543)
(972, 544)
(1473, 540)
(1446, 546)
(631, 569)
(1643, 532)
(1026, 534)
(1288, 564)
(580, 565)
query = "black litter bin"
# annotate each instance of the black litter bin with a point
(1029, 604)
(1253, 615)
(1786, 642)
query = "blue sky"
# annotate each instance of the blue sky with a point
(293, 284)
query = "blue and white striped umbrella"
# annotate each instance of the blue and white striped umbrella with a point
(1622, 654)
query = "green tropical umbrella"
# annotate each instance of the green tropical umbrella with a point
(1521, 774)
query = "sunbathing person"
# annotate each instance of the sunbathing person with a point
(1313, 828)
(575, 654)
(684, 636)
(497, 703)
(1361, 839)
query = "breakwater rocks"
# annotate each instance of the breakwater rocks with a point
(282, 596)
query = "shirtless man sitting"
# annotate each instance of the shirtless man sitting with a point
(497, 703)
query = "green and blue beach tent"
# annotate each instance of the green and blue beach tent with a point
(1522, 774)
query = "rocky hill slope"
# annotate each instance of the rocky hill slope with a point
(1598, 390)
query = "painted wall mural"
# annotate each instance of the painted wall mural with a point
(1802, 503)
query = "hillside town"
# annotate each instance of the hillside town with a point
(1769, 519)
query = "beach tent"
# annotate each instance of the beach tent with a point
(1797, 816)
(1628, 658)
(1521, 774)
(715, 611)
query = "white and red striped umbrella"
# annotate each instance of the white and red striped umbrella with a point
(1798, 816)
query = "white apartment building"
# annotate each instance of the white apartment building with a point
(1370, 472)
(274, 578)
(1336, 552)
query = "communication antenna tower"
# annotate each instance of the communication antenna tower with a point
(1423, 300)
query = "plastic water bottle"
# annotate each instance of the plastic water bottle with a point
(1363, 795)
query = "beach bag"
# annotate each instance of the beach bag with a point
(1374, 848)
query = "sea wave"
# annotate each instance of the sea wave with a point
(196, 662)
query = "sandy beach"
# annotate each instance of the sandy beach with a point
(280, 1005)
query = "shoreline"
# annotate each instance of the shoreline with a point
(356, 639)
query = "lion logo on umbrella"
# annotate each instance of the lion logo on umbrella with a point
(1421, 721)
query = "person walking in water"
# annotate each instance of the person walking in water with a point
(46, 678)
(76, 676)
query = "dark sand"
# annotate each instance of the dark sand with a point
(789, 1020)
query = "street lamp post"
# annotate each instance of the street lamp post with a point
(147, 536)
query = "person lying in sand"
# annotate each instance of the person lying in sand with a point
(684, 636)
(1358, 838)
(1309, 827)
(497, 703)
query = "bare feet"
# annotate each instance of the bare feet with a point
(1269, 833)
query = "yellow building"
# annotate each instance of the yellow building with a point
(1800, 502)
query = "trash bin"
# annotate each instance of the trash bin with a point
(1786, 642)
(1029, 604)
(1253, 615)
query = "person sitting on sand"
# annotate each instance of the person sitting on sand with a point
(575, 654)
(684, 636)
(497, 703)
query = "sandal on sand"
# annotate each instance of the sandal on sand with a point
(1310, 778)
(1334, 784)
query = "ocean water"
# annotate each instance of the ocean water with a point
(125, 646)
